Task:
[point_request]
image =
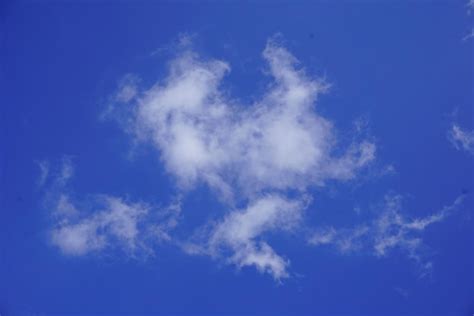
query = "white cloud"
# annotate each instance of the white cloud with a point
(242, 232)
(279, 142)
(246, 153)
(128, 89)
(390, 230)
(166, 220)
(44, 172)
(116, 224)
(64, 207)
(323, 236)
(66, 172)
(103, 222)
(346, 240)
(469, 35)
(470, 6)
(263, 257)
(461, 139)
(78, 239)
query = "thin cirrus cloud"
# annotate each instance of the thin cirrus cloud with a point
(252, 154)
(44, 172)
(470, 9)
(461, 138)
(390, 230)
(470, 6)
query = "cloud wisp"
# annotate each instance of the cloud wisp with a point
(470, 9)
(104, 223)
(251, 154)
(461, 139)
(390, 230)
(239, 238)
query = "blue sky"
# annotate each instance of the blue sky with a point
(249, 158)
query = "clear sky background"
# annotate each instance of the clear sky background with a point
(75, 76)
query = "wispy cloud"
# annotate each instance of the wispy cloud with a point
(470, 9)
(469, 35)
(470, 6)
(104, 222)
(461, 139)
(242, 233)
(44, 172)
(390, 230)
(117, 222)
